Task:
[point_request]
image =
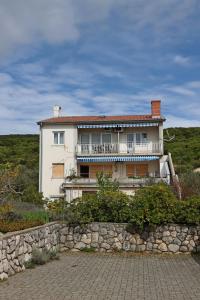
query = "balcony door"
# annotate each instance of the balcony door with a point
(130, 142)
(136, 142)
(96, 143)
(85, 140)
(106, 142)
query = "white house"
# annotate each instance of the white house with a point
(128, 148)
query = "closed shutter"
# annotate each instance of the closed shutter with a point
(58, 170)
(106, 169)
(94, 169)
(136, 170)
(130, 170)
(142, 170)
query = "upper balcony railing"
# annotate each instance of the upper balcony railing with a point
(121, 148)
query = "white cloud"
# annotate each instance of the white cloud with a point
(181, 90)
(174, 121)
(23, 104)
(31, 22)
(181, 60)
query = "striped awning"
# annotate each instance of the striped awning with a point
(146, 124)
(117, 158)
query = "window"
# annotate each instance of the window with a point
(85, 139)
(84, 171)
(57, 170)
(58, 137)
(106, 138)
(96, 138)
(138, 138)
(144, 137)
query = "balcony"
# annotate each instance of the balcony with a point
(123, 182)
(121, 148)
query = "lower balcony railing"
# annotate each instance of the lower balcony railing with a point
(122, 181)
(121, 148)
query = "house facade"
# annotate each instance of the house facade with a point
(127, 148)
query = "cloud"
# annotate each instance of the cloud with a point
(24, 103)
(33, 22)
(173, 121)
(181, 60)
(97, 57)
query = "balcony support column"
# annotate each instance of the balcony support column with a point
(161, 138)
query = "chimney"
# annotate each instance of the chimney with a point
(155, 108)
(56, 111)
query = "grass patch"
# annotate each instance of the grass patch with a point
(89, 250)
(36, 215)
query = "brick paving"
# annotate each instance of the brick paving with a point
(109, 276)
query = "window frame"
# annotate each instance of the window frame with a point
(58, 133)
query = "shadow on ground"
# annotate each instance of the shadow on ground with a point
(196, 257)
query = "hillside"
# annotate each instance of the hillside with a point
(24, 149)
(185, 148)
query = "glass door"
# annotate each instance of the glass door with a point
(85, 140)
(130, 142)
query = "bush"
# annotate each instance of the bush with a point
(190, 184)
(5, 209)
(153, 205)
(31, 194)
(40, 257)
(56, 209)
(188, 211)
(109, 207)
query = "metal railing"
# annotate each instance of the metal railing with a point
(121, 148)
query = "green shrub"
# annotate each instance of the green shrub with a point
(56, 209)
(107, 207)
(40, 257)
(53, 254)
(190, 184)
(153, 205)
(188, 211)
(31, 194)
(29, 264)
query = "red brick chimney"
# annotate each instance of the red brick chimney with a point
(155, 108)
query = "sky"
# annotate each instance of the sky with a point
(93, 57)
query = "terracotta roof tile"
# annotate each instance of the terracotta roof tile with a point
(99, 119)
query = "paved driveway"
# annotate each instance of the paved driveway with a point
(117, 276)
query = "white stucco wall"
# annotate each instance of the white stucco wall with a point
(51, 153)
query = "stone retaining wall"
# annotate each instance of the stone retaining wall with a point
(16, 248)
(108, 237)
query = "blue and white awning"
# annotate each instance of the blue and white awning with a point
(117, 158)
(146, 124)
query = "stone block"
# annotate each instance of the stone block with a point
(95, 237)
(173, 248)
(162, 247)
